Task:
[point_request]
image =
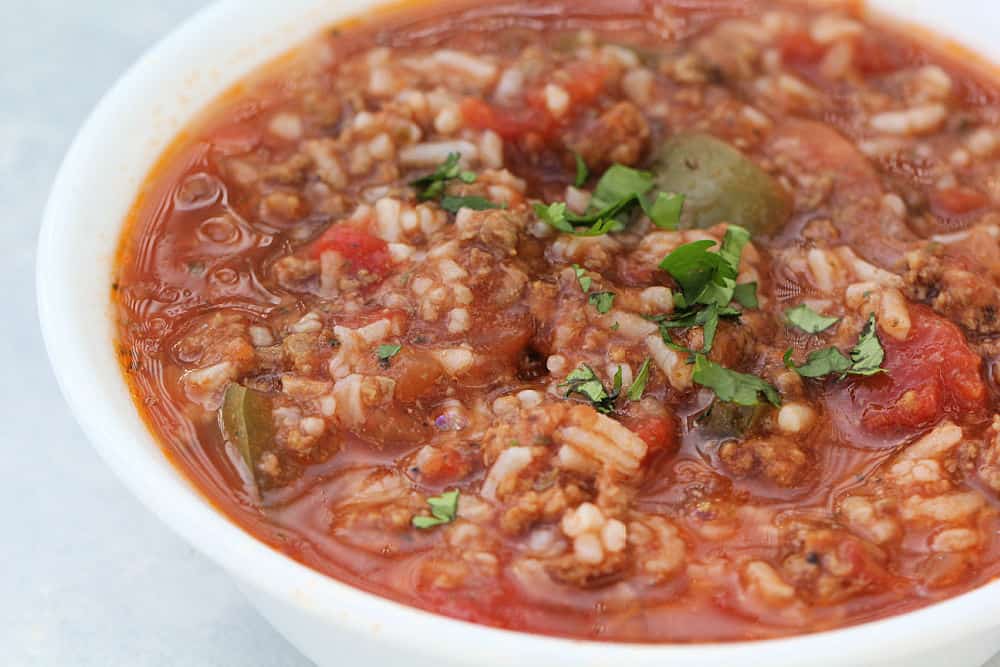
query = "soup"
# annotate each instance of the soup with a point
(642, 321)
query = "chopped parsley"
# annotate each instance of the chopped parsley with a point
(639, 383)
(708, 285)
(745, 294)
(582, 277)
(707, 277)
(444, 509)
(619, 191)
(433, 185)
(820, 363)
(665, 211)
(731, 386)
(386, 352)
(806, 319)
(584, 381)
(865, 358)
(582, 172)
(602, 301)
(476, 203)
(708, 289)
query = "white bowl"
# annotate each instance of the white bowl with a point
(332, 623)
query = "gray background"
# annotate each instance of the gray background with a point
(87, 576)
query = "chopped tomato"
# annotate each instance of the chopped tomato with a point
(508, 123)
(958, 200)
(585, 81)
(659, 433)
(878, 57)
(357, 246)
(930, 375)
(799, 48)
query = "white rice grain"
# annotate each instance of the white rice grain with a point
(431, 154)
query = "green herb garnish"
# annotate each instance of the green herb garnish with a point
(808, 320)
(745, 294)
(639, 383)
(584, 381)
(432, 185)
(820, 363)
(708, 284)
(582, 172)
(582, 277)
(602, 301)
(386, 352)
(476, 203)
(865, 358)
(444, 509)
(731, 386)
(619, 191)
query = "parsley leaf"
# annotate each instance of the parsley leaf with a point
(619, 186)
(819, 363)
(582, 277)
(453, 204)
(584, 381)
(733, 387)
(386, 352)
(665, 210)
(866, 357)
(692, 266)
(582, 172)
(708, 283)
(808, 320)
(602, 301)
(619, 190)
(444, 509)
(432, 185)
(733, 242)
(639, 383)
(745, 294)
(556, 216)
(707, 277)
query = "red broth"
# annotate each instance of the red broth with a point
(411, 388)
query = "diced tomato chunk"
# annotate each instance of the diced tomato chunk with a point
(358, 247)
(585, 81)
(878, 57)
(508, 123)
(799, 48)
(658, 432)
(930, 375)
(957, 200)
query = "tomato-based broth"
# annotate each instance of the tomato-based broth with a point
(655, 320)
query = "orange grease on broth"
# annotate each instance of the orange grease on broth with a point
(198, 451)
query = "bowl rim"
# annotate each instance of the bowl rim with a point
(182, 507)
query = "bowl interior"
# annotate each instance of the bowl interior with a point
(92, 196)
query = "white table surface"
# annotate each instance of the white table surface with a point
(87, 576)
